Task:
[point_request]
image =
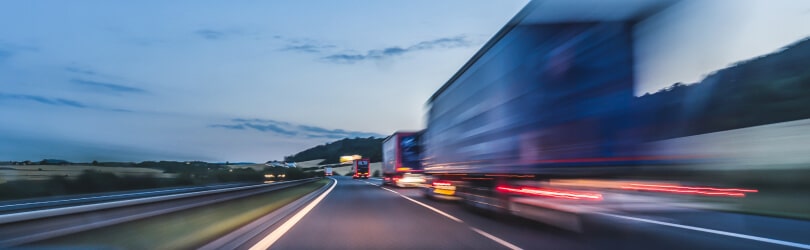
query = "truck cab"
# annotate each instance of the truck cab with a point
(360, 169)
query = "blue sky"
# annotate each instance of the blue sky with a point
(256, 80)
(223, 80)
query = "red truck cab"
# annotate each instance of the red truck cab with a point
(360, 169)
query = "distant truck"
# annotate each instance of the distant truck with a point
(360, 169)
(327, 171)
(402, 164)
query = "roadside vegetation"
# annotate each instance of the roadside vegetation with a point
(69, 179)
(331, 152)
(188, 229)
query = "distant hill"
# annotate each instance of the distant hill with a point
(767, 89)
(367, 147)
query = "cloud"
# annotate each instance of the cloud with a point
(214, 34)
(281, 123)
(344, 58)
(270, 127)
(109, 87)
(305, 45)
(80, 71)
(234, 127)
(384, 53)
(210, 34)
(55, 101)
(43, 100)
(446, 43)
(263, 125)
(292, 130)
(318, 132)
(308, 48)
(8, 50)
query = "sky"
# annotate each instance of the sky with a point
(257, 80)
(224, 80)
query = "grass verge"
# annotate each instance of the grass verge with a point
(185, 229)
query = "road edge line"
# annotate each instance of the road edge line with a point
(274, 236)
(496, 239)
(249, 234)
(426, 206)
(706, 230)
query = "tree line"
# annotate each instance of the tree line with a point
(331, 152)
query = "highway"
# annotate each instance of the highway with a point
(359, 214)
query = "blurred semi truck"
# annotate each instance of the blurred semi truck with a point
(327, 171)
(360, 168)
(568, 91)
(401, 164)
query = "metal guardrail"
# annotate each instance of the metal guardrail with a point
(45, 213)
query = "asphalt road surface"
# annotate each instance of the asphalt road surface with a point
(359, 214)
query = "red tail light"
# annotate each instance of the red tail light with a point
(733, 192)
(557, 193)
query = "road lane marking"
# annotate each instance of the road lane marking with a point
(479, 231)
(749, 237)
(370, 183)
(426, 205)
(280, 231)
(496, 239)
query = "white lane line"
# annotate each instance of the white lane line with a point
(749, 237)
(479, 231)
(280, 231)
(377, 185)
(425, 205)
(496, 239)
